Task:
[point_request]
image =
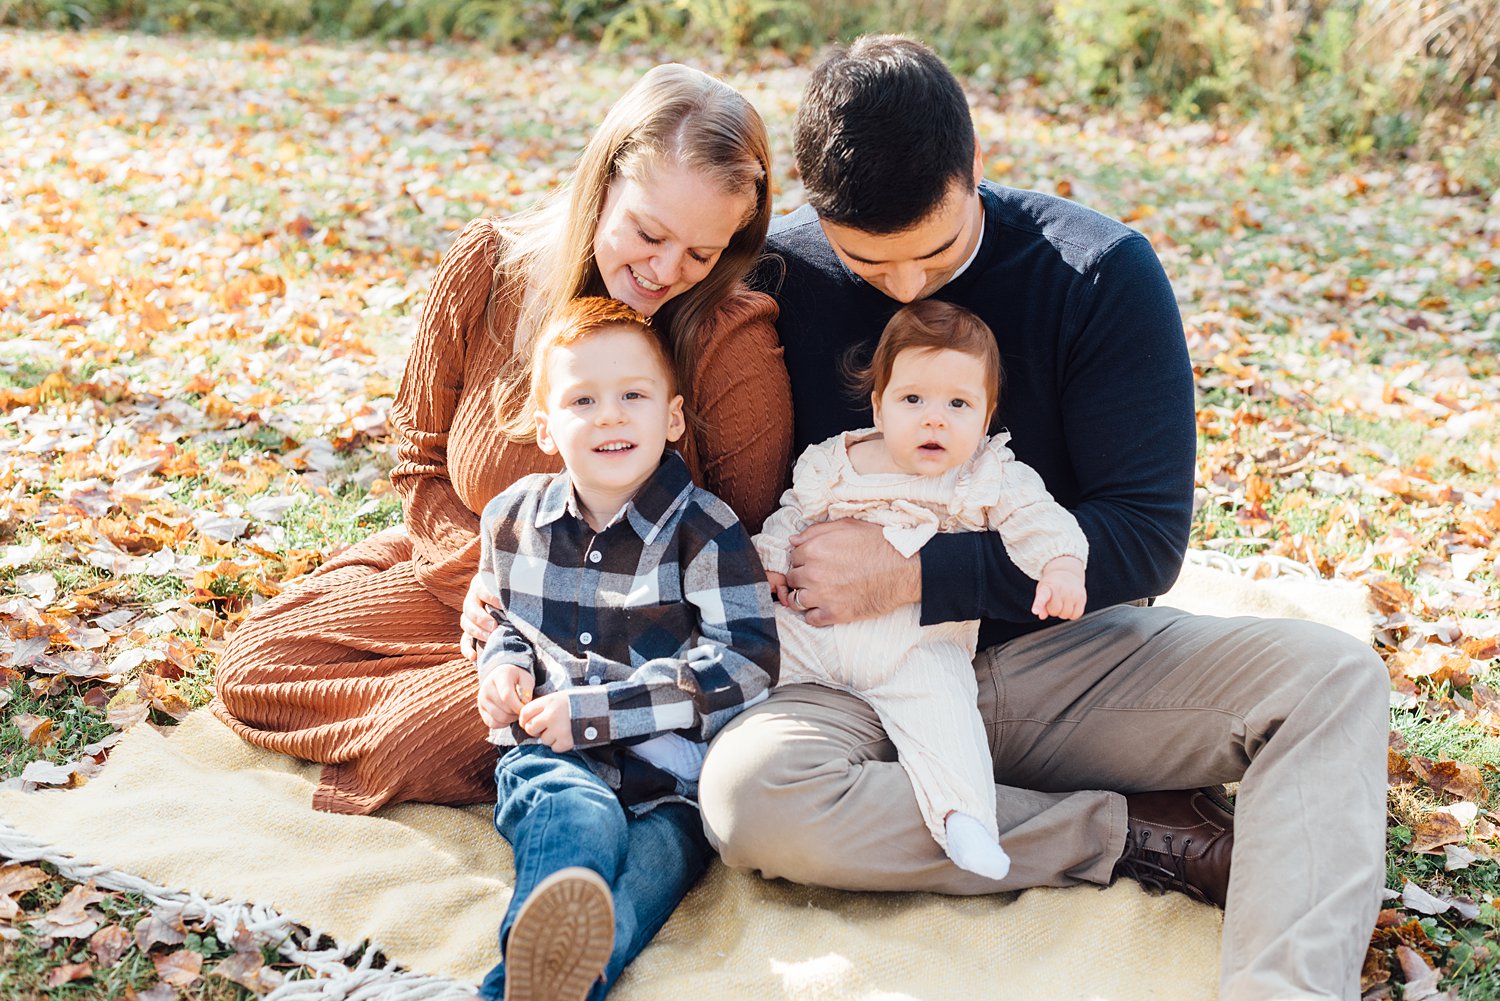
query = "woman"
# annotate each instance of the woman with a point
(359, 665)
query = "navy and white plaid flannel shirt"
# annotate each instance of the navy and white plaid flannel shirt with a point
(661, 623)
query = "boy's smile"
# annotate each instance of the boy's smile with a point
(609, 412)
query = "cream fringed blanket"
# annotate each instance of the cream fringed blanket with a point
(197, 810)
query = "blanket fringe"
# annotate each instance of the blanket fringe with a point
(337, 974)
(1265, 565)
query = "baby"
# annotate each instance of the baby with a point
(926, 467)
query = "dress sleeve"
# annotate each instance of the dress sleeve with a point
(444, 531)
(743, 401)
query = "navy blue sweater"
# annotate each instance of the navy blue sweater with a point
(1098, 391)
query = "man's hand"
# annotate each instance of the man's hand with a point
(550, 720)
(845, 571)
(503, 693)
(1059, 592)
(476, 620)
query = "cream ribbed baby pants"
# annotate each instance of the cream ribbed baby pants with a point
(920, 681)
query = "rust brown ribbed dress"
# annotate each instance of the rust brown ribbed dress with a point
(358, 665)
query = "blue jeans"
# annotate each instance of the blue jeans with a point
(556, 813)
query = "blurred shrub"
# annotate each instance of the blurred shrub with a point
(1190, 55)
(1367, 74)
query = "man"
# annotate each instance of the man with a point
(1086, 719)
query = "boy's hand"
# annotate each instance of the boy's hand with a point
(550, 720)
(503, 693)
(779, 588)
(1060, 593)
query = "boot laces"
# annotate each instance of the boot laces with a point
(1160, 868)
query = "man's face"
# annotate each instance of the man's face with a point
(913, 264)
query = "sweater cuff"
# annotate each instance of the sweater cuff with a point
(775, 555)
(952, 578)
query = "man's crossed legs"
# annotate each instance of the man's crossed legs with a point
(805, 786)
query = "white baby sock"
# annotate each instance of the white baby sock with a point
(970, 847)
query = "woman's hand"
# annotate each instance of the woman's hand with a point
(550, 720)
(503, 693)
(476, 619)
(845, 570)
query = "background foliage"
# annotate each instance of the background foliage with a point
(215, 250)
(1371, 74)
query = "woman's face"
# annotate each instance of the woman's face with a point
(661, 235)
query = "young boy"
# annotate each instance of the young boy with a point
(637, 623)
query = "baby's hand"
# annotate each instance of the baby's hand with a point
(503, 693)
(1060, 593)
(550, 720)
(779, 588)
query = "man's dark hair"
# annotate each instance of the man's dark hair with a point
(882, 133)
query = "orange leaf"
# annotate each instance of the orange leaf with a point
(109, 944)
(1485, 697)
(36, 729)
(69, 972)
(163, 926)
(72, 918)
(1398, 770)
(1389, 595)
(1434, 831)
(1461, 780)
(247, 967)
(1482, 647)
(16, 879)
(181, 968)
(1376, 971)
(159, 694)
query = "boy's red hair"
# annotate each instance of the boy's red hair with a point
(580, 319)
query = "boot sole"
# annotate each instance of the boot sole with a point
(562, 938)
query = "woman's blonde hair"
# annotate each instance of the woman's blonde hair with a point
(674, 115)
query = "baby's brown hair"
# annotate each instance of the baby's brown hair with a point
(930, 325)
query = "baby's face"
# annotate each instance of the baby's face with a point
(933, 411)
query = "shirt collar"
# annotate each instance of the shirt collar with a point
(972, 254)
(647, 512)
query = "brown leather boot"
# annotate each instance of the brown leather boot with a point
(1180, 841)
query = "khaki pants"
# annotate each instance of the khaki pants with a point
(805, 786)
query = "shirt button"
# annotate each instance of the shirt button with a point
(590, 733)
(585, 638)
(594, 680)
(595, 556)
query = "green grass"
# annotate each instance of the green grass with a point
(23, 374)
(74, 724)
(26, 962)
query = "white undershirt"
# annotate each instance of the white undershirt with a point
(965, 265)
